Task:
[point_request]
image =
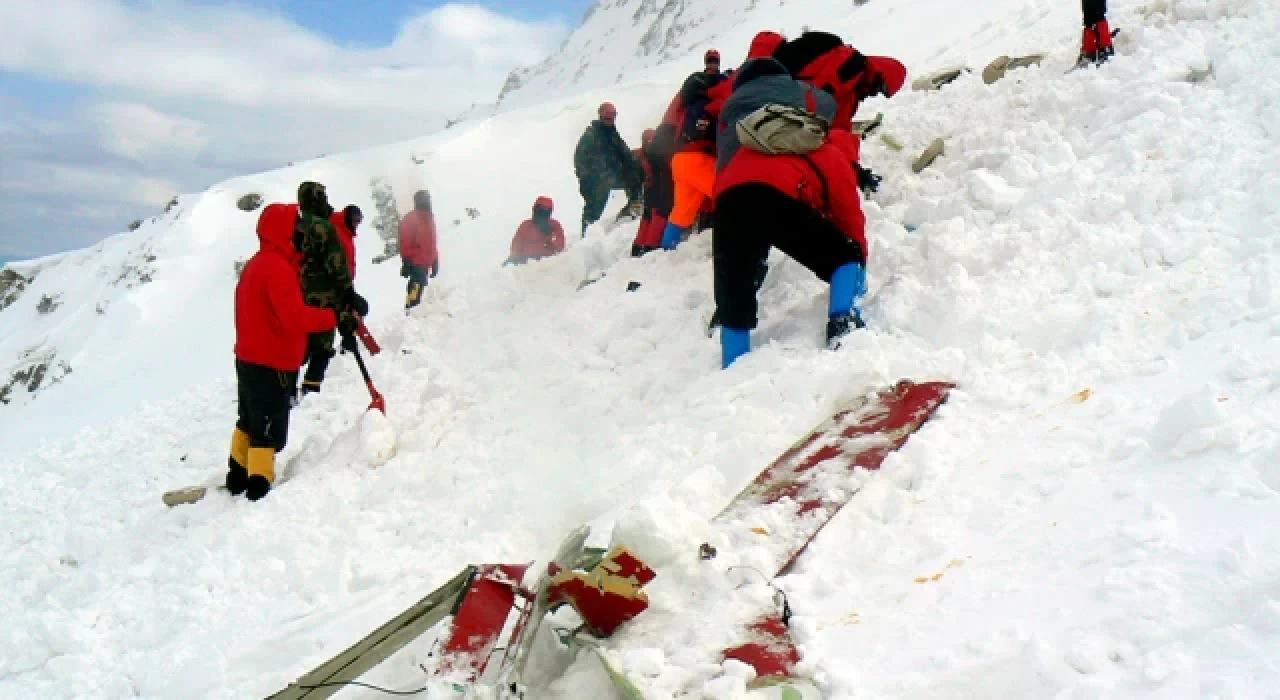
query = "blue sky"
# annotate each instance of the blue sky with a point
(196, 91)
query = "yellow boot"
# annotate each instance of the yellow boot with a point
(262, 471)
(237, 463)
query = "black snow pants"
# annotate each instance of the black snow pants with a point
(266, 396)
(751, 219)
(1094, 11)
(320, 351)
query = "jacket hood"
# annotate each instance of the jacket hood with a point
(275, 228)
(805, 49)
(313, 199)
(890, 70)
(764, 44)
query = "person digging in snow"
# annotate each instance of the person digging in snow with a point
(658, 195)
(272, 325)
(803, 201)
(538, 237)
(694, 114)
(824, 61)
(419, 256)
(691, 117)
(326, 277)
(603, 163)
(1095, 42)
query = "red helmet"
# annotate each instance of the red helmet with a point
(607, 111)
(711, 56)
(543, 202)
(648, 135)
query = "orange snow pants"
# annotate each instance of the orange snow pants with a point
(695, 179)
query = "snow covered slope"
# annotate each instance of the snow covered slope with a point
(629, 40)
(1096, 261)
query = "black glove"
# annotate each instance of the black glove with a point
(360, 305)
(404, 269)
(347, 325)
(867, 180)
(435, 268)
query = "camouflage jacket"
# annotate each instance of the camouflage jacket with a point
(326, 278)
(601, 151)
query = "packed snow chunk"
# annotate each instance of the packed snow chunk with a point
(1192, 424)
(648, 661)
(660, 531)
(991, 191)
(377, 438)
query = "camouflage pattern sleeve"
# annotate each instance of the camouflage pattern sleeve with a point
(326, 279)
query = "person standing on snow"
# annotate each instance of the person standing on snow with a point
(345, 223)
(419, 255)
(538, 237)
(326, 277)
(272, 327)
(659, 196)
(603, 163)
(806, 205)
(1095, 43)
(692, 116)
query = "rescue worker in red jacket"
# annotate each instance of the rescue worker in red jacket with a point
(824, 61)
(692, 115)
(1095, 43)
(538, 237)
(346, 222)
(272, 324)
(807, 206)
(419, 256)
(659, 196)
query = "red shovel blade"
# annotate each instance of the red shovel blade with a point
(378, 403)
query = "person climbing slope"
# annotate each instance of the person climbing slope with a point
(1095, 41)
(419, 254)
(801, 198)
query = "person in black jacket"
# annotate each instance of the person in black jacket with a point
(603, 163)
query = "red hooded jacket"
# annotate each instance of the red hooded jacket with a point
(829, 71)
(272, 322)
(823, 179)
(530, 243)
(418, 239)
(347, 238)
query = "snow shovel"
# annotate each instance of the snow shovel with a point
(378, 403)
(367, 338)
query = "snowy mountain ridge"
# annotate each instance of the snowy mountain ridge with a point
(1095, 261)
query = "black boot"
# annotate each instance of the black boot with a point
(237, 477)
(840, 326)
(258, 487)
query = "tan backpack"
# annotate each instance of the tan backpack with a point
(781, 130)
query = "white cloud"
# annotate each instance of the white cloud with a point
(139, 132)
(179, 94)
(236, 55)
(76, 183)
